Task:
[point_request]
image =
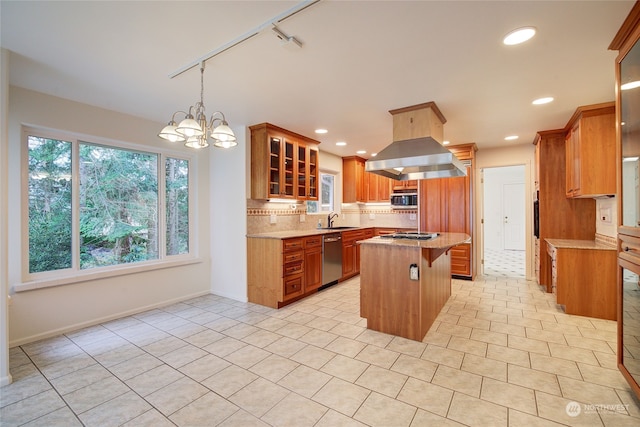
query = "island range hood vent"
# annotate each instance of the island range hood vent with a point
(416, 152)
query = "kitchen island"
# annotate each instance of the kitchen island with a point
(404, 283)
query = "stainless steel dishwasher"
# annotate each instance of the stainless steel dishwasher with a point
(331, 258)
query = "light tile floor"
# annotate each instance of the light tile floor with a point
(500, 354)
(504, 263)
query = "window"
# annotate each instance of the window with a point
(93, 205)
(326, 192)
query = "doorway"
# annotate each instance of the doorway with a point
(504, 205)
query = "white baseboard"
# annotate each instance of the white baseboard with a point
(5, 380)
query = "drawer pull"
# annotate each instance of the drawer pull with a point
(630, 249)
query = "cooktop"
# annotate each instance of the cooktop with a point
(410, 235)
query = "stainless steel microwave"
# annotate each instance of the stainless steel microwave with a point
(404, 200)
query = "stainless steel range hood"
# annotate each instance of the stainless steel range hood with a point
(416, 152)
(419, 158)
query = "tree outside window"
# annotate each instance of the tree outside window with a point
(118, 205)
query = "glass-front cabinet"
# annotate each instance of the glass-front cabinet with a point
(284, 164)
(628, 139)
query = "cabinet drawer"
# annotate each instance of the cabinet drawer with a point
(293, 268)
(312, 242)
(460, 267)
(460, 252)
(289, 245)
(368, 233)
(629, 248)
(293, 286)
(293, 257)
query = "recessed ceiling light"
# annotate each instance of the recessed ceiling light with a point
(341, 143)
(374, 154)
(321, 131)
(445, 142)
(511, 138)
(544, 100)
(519, 35)
(361, 152)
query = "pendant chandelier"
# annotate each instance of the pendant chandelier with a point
(194, 129)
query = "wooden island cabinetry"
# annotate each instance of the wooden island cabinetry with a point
(404, 283)
(284, 164)
(591, 152)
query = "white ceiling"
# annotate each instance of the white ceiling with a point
(360, 59)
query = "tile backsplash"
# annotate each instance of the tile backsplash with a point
(607, 217)
(264, 217)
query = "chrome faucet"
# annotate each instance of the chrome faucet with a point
(330, 219)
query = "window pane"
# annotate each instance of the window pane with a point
(326, 195)
(118, 206)
(49, 204)
(177, 195)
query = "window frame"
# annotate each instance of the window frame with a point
(75, 274)
(332, 206)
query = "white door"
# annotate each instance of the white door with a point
(513, 218)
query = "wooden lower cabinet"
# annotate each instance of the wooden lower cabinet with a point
(351, 251)
(280, 271)
(461, 260)
(312, 263)
(584, 280)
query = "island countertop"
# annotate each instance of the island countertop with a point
(443, 241)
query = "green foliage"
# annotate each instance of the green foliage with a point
(118, 209)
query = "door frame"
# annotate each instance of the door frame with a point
(529, 239)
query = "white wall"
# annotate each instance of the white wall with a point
(229, 191)
(46, 312)
(522, 154)
(5, 375)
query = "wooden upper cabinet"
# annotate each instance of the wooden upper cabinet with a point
(353, 180)
(283, 164)
(590, 147)
(410, 185)
(377, 187)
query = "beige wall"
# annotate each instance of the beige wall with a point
(45, 312)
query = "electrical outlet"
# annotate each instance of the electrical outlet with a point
(412, 216)
(605, 215)
(303, 218)
(414, 273)
(372, 216)
(272, 219)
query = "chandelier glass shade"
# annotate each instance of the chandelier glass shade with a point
(194, 129)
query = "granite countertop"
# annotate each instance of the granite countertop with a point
(300, 233)
(289, 234)
(580, 244)
(444, 240)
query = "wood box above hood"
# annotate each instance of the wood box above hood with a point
(418, 121)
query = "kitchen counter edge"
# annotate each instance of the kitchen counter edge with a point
(444, 240)
(580, 244)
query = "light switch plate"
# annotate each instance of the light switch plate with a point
(414, 273)
(272, 219)
(303, 218)
(372, 215)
